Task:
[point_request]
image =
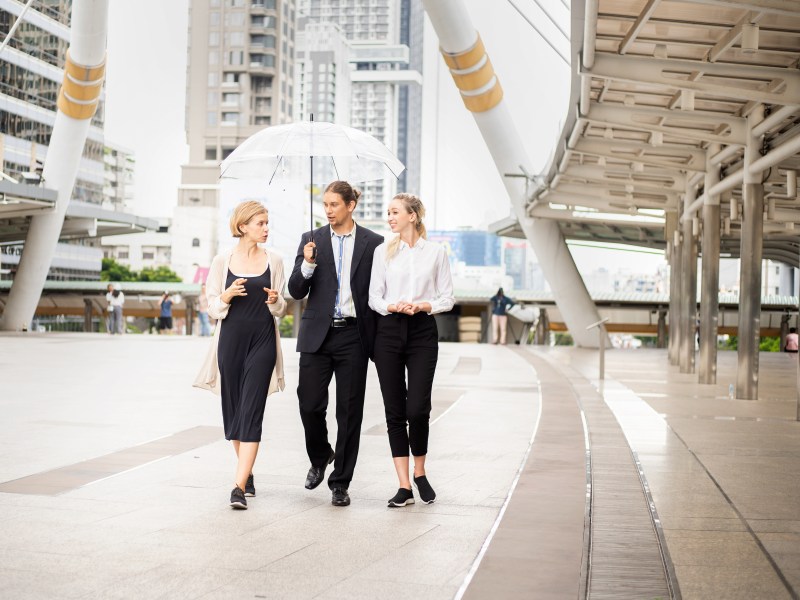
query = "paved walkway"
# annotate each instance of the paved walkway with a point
(114, 480)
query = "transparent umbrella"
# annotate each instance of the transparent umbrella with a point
(313, 151)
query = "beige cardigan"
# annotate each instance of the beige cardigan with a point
(208, 378)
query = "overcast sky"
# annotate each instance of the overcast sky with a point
(145, 107)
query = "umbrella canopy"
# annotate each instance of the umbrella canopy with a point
(285, 153)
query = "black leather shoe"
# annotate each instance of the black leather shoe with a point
(340, 497)
(317, 474)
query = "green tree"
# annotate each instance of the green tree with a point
(111, 270)
(161, 273)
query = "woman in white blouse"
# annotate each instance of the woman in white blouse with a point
(410, 283)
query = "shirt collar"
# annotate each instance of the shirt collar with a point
(352, 232)
(420, 244)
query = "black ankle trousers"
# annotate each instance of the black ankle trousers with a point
(409, 344)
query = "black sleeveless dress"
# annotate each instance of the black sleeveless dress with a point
(246, 357)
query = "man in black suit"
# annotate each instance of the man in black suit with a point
(336, 335)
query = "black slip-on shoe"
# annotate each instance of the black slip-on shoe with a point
(237, 498)
(403, 497)
(317, 474)
(340, 497)
(250, 486)
(426, 493)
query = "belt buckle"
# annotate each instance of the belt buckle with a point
(337, 323)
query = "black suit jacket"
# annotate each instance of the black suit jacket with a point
(321, 288)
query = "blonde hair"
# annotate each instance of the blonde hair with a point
(413, 205)
(243, 213)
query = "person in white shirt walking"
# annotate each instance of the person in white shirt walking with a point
(116, 300)
(410, 282)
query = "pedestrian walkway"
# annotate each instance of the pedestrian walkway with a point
(114, 480)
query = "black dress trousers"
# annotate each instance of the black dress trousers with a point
(343, 355)
(407, 343)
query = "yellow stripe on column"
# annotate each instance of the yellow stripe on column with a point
(485, 100)
(473, 71)
(80, 91)
(467, 58)
(473, 79)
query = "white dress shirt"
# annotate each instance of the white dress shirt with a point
(415, 274)
(346, 304)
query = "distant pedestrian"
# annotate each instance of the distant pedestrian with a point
(202, 312)
(165, 317)
(791, 341)
(500, 304)
(109, 306)
(410, 283)
(245, 364)
(116, 300)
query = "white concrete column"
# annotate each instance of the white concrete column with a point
(672, 236)
(750, 253)
(709, 292)
(77, 103)
(688, 286)
(480, 89)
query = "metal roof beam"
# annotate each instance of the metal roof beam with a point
(637, 27)
(664, 72)
(602, 202)
(649, 179)
(730, 38)
(606, 193)
(688, 159)
(787, 8)
(635, 118)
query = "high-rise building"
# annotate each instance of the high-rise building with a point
(385, 40)
(240, 80)
(31, 72)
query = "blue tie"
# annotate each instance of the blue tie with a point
(339, 275)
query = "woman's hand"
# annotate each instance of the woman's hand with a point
(398, 307)
(236, 289)
(272, 296)
(412, 308)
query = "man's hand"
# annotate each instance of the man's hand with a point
(310, 253)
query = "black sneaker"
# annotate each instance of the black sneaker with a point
(426, 493)
(237, 498)
(403, 497)
(250, 486)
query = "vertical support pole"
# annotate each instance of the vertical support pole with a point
(672, 236)
(543, 328)
(189, 314)
(709, 292)
(688, 297)
(784, 329)
(603, 337)
(661, 340)
(87, 315)
(750, 253)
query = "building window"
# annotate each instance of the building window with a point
(211, 118)
(195, 242)
(213, 38)
(148, 255)
(122, 254)
(211, 153)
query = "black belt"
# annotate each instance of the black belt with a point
(343, 322)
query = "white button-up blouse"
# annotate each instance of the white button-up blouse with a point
(419, 273)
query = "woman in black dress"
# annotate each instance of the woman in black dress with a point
(245, 293)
